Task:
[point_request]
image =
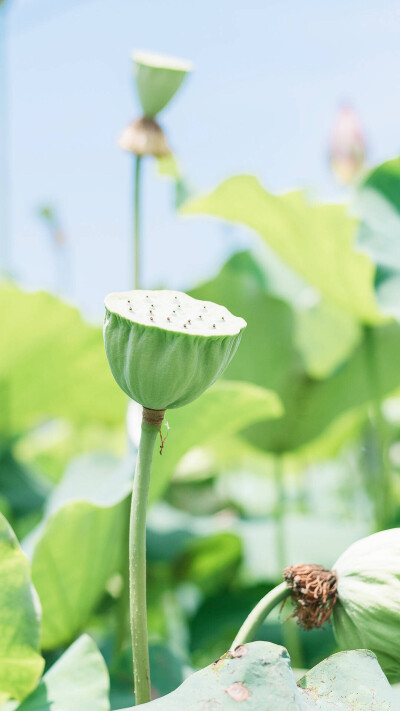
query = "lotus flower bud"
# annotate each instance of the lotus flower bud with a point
(144, 137)
(347, 152)
(165, 348)
(362, 592)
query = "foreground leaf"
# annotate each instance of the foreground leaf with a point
(20, 662)
(71, 377)
(78, 681)
(260, 677)
(77, 548)
(348, 680)
(316, 240)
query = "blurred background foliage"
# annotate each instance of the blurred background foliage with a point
(292, 457)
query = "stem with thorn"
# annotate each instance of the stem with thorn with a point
(137, 561)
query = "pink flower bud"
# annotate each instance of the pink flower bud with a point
(347, 149)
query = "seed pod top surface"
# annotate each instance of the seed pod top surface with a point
(367, 613)
(165, 348)
(158, 78)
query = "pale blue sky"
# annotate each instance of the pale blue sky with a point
(268, 80)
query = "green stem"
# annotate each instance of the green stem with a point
(383, 488)
(136, 220)
(258, 614)
(279, 513)
(137, 563)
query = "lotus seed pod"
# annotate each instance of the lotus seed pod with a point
(367, 613)
(158, 78)
(144, 137)
(165, 348)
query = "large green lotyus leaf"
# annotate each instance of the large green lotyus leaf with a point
(20, 662)
(52, 364)
(316, 240)
(258, 676)
(78, 681)
(78, 546)
(225, 408)
(317, 413)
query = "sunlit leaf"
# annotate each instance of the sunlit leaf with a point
(52, 364)
(316, 240)
(20, 662)
(78, 546)
(78, 681)
(318, 414)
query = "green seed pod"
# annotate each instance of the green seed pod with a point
(367, 612)
(361, 592)
(158, 78)
(165, 348)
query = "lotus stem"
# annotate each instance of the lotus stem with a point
(382, 482)
(137, 561)
(136, 220)
(259, 613)
(280, 512)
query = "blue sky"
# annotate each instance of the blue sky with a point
(269, 77)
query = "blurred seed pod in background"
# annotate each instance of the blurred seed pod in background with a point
(144, 137)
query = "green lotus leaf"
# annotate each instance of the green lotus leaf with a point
(316, 240)
(225, 408)
(165, 348)
(158, 78)
(78, 546)
(78, 681)
(20, 662)
(49, 339)
(378, 205)
(258, 676)
(319, 415)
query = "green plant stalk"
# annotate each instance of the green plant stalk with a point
(258, 614)
(290, 630)
(137, 564)
(136, 220)
(280, 512)
(382, 483)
